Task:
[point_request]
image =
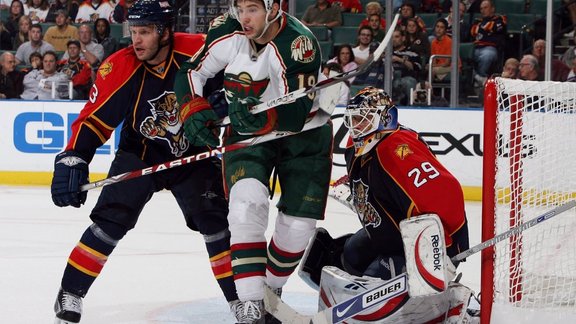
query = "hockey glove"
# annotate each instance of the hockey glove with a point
(198, 121)
(70, 173)
(246, 123)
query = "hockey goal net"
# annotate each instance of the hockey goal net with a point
(529, 168)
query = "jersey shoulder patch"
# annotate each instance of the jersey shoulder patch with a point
(296, 43)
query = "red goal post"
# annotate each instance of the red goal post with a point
(529, 167)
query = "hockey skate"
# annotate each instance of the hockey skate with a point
(68, 308)
(248, 312)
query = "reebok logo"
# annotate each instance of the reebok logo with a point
(436, 252)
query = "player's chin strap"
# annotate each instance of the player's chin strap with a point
(269, 23)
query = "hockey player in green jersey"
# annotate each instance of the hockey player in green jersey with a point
(265, 53)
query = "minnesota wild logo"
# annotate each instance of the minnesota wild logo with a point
(303, 49)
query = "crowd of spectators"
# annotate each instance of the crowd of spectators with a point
(80, 37)
(61, 61)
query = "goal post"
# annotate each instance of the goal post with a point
(529, 167)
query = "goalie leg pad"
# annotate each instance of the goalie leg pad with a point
(427, 264)
(323, 250)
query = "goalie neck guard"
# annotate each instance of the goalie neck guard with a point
(368, 115)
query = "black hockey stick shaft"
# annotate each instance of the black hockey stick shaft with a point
(373, 58)
(515, 230)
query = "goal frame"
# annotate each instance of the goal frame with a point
(513, 148)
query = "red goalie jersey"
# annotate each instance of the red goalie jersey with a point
(401, 178)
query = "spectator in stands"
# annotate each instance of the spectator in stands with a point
(37, 10)
(121, 11)
(21, 37)
(90, 10)
(363, 45)
(345, 58)
(559, 70)
(373, 8)
(417, 40)
(62, 32)
(5, 38)
(407, 11)
(351, 6)
(441, 45)
(10, 79)
(511, 67)
(77, 69)
(70, 6)
(38, 83)
(35, 63)
(528, 68)
(464, 25)
(336, 69)
(4, 4)
(374, 24)
(322, 14)
(102, 33)
(572, 74)
(489, 34)
(89, 50)
(35, 44)
(406, 65)
(11, 24)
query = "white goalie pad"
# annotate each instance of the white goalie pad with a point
(337, 287)
(429, 268)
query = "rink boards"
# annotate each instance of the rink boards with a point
(32, 132)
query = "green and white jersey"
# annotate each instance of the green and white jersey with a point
(290, 61)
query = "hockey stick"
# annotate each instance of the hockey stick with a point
(341, 311)
(513, 231)
(373, 58)
(327, 105)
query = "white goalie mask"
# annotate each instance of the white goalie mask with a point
(369, 113)
(233, 11)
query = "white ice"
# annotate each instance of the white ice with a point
(159, 273)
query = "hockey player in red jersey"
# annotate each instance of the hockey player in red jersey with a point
(265, 53)
(394, 183)
(393, 176)
(135, 86)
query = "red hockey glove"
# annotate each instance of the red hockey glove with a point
(198, 119)
(246, 123)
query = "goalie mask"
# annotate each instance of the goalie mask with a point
(369, 113)
(233, 12)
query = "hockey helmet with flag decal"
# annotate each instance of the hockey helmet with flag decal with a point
(152, 12)
(369, 113)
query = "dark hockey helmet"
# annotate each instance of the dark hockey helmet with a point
(368, 113)
(152, 12)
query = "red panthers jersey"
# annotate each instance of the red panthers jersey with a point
(401, 178)
(142, 96)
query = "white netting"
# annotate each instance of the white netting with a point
(536, 145)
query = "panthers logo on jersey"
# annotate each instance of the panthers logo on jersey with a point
(164, 124)
(366, 212)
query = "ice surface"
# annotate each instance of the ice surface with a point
(159, 273)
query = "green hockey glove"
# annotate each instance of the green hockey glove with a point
(198, 121)
(246, 123)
